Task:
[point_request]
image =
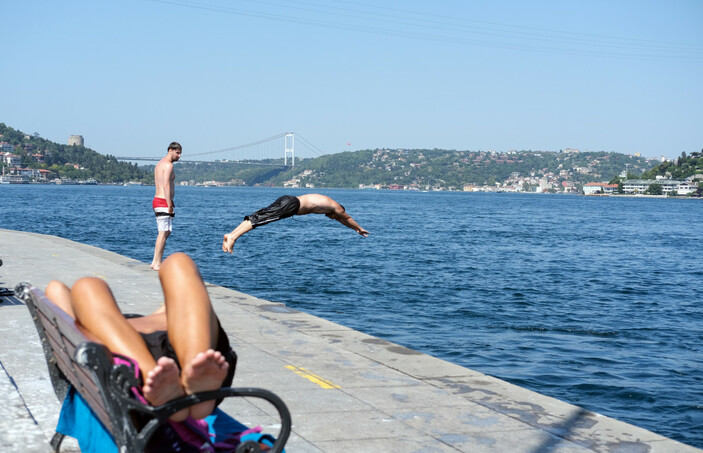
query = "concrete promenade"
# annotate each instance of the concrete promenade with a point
(347, 391)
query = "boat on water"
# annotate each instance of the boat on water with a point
(14, 179)
(64, 181)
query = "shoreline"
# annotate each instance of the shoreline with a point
(366, 190)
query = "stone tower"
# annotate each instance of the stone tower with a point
(75, 140)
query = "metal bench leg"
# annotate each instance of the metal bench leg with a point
(56, 441)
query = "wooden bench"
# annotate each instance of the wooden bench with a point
(76, 361)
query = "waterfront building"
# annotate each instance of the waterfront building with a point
(634, 186)
(592, 188)
(45, 175)
(31, 173)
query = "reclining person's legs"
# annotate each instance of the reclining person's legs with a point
(96, 310)
(193, 329)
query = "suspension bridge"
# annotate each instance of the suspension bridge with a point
(278, 150)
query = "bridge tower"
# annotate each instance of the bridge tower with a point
(289, 145)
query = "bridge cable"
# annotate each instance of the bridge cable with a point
(306, 143)
(258, 142)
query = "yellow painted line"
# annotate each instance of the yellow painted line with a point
(325, 384)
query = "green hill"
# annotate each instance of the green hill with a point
(453, 169)
(73, 162)
(426, 169)
(681, 168)
(423, 169)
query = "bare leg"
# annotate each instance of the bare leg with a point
(159, 249)
(95, 308)
(59, 294)
(192, 329)
(229, 239)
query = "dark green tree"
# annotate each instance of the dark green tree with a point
(654, 189)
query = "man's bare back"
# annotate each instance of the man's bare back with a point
(312, 203)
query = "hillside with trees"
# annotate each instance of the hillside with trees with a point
(425, 169)
(422, 169)
(681, 168)
(69, 161)
(242, 173)
(454, 169)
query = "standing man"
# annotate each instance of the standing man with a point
(288, 206)
(164, 178)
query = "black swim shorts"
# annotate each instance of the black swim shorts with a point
(285, 206)
(159, 346)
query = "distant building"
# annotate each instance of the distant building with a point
(599, 187)
(544, 185)
(569, 187)
(31, 173)
(45, 175)
(667, 185)
(75, 140)
(13, 160)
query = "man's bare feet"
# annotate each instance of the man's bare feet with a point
(205, 372)
(228, 243)
(155, 266)
(163, 384)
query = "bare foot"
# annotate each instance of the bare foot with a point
(155, 266)
(205, 372)
(227, 244)
(162, 384)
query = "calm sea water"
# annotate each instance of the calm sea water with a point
(595, 301)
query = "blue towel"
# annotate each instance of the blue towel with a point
(80, 422)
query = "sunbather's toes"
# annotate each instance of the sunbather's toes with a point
(163, 384)
(205, 372)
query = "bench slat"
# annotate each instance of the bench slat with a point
(64, 337)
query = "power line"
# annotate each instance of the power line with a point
(412, 25)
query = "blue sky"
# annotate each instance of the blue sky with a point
(133, 75)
